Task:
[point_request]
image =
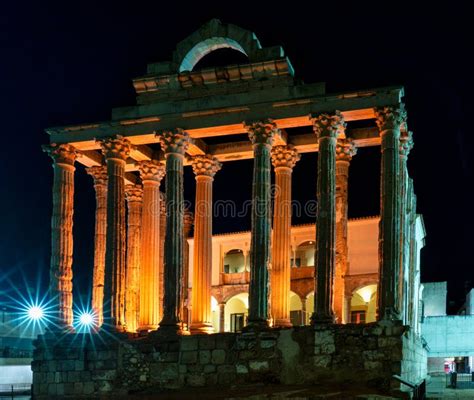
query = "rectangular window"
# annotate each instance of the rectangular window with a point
(237, 322)
(297, 318)
(358, 317)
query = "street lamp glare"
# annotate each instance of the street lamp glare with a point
(35, 313)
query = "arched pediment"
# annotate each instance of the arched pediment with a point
(215, 35)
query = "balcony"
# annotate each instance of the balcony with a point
(302, 273)
(236, 278)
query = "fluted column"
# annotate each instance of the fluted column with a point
(406, 144)
(389, 120)
(284, 159)
(151, 173)
(327, 128)
(162, 249)
(60, 273)
(184, 309)
(174, 144)
(99, 174)
(116, 150)
(345, 150)
(204, 167)
(261, 134)
(134, 197)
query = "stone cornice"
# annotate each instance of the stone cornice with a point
(261, 132)
(390, 117)
(133, 193)
(116, 147)
(151, 170)
(174, 141)
(284, 156)
(328, 125)
(345, 149)
(206, 165)
(61, 153)
(99, 174)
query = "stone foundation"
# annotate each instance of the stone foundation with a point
(83, 365)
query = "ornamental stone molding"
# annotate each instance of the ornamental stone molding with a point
(152, 170)
(61, 153)
(205, 165)
(328, 125)
(115, 147)
(174, 141)
(345, 149)
(284, 156)
(261, 132)
(133, 193)
(99, 174)
(390, 117)
(406, 143)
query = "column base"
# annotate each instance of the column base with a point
(201, 328)
(147, 328)
(256, 325)
(390, 314)
(282, 323)
(317, 319)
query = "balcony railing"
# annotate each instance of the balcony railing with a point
(236, 278)
(302, 273)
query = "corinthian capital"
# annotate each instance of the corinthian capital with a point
(345, 149)
(284, 156)
(328, 125)
(206, 165)
(261, 132)
(115, 147)
(151, 170)
(133, 193)
(61, 153)
(406, 143)
(99, 174)
(390, 117)
(174, 141)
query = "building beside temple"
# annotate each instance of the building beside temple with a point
(336, 302)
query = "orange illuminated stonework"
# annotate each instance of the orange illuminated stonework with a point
(152, 271)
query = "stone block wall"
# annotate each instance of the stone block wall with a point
(79, 365)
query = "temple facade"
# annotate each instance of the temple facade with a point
(159, 272)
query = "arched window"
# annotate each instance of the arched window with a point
(304, 255)
(364, 305)
(234, 261)
(236, 312)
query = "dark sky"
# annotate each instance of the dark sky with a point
(70, 65)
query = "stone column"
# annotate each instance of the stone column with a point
(134, 197)
(261, 134)
(284, 159)
(389, 120)
(406, 144)
(116, 150)
(204, 167)
(221, 317)
(99, 174)
(162, 248)
(174, 144)
(184, 308)
(151, 173)
(345, 150)
(327, 128)
(60, 273)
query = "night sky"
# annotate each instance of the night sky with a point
(63, 66)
